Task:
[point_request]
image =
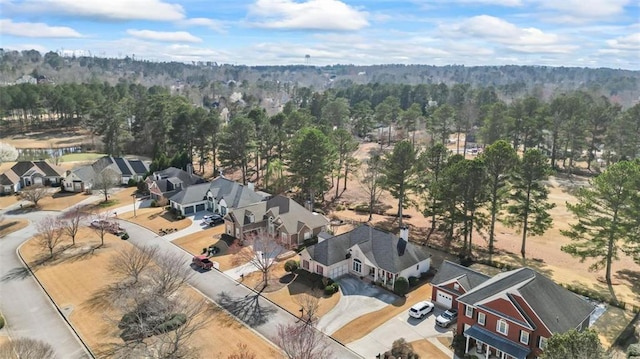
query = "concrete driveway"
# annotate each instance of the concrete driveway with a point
(402, 326)
(358, 298)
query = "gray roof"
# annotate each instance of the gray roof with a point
(384, 249)
(49, 169)
(85, 173)
(234, 194)
(558, 308)
(467, 277)
(121, 166)
(191, 194)
(288, 213)
(45, 168)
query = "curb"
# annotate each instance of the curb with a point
(53, 304)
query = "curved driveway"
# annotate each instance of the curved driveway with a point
(28, 311)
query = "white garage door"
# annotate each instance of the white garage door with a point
(338, 271)
(444, 299)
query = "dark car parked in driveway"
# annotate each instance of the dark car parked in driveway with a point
(213, 219)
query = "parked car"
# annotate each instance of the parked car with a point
(202, 261)
(445, 319)
(421, 309)
(213, 219)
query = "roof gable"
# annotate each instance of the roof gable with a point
(466, 277)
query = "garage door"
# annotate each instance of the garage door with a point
(188, 210)
(444, 299)
(199, 207)
(338, 271)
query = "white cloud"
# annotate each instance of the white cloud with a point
(164, 36)
(629, 42)
(500, 31)
(36, 29)
(204, 22)
(154, 10)
(333, 15)
(506, 3)
(586, 10)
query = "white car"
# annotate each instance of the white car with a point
(421, 309)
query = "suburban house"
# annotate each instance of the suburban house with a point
(27, 173)
(218, 196)
(453, 280)
(279, 216)
(366, 252)
(514, 313)
(83, 178)
(164, 184)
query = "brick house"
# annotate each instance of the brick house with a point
(514, 313)
(453, 280)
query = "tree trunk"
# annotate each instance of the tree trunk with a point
(492, 228)
(458, 143)
(614, 224)
(338, 179)
(346, 173)
(473, 214)
(554, 150)
(400, 198)
(525, 223)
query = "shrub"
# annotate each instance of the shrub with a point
(336, 287)
(401, 286)
(1, 321)
(291, 266)
(132, 182)
(125, 236)
(458, 344)
(154, 203)
(633, 351)
(413, 281)
(173, 323)
(330, 289)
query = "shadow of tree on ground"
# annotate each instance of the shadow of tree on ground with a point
(247, 309)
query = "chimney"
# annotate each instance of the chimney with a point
(404, 233)
(190, 168)
(251, 186)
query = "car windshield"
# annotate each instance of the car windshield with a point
(414, 309)
(447, 315)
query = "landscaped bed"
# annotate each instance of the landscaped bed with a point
(73, 280)
(426, 349)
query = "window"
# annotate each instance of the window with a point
(319, 269)
(524, 337)
(481, 318)
(305, 264)
(456, 286)
(469, 312)
(357, 265)
(542, 342)
(502, 327)
(418, 267)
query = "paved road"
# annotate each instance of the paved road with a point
(411, 329)
(29, 312)
(252, 309)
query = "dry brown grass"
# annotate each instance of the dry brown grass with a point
(6, 201)
(426, 349)
(118, 198)
(611, 324)
(4, 339)
(363, 325)
(49, 138)
(446, 341)
(195, 242)
(155, 219)
(60, 201)
(71, 283)
(11, 225)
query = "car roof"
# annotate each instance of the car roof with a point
(421, 304)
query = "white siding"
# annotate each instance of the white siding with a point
(416, 270)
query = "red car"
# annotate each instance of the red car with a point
(202, 261)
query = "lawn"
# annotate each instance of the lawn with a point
(119, 197)
(73, 279)
(11, 225)
(195, 242)
(155, 219)
(426, 349)
(75, 157)
(6, 201)
(363, 325)
(61, 200)
(611, 324)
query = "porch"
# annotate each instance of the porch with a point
(485, 344)
(374, 274)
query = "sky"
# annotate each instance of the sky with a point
(583, 33)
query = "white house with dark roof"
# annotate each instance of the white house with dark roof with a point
(82, 178)
(279, 216)
(367, 252)
(218, 196)
(27, 173)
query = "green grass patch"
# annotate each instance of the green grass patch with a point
(108, 203)
(73, 157)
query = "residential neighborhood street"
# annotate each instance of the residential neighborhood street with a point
(28, 311)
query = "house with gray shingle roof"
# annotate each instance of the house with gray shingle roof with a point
(27, 173)
(164, 184)
(279, 216)
(367, 252)
(218, 196)
(514, 313)
(453, 280)
(82, 178)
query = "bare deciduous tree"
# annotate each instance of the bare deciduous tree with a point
(105, 181)
(242, 353)
(131, 262)
(309, 305)
(34, 193)
(101, 224)
(261, 253)
(169, 274)
(8, 153)
(70, 222)
(302, 341)
(49, 234)
(26, 348)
